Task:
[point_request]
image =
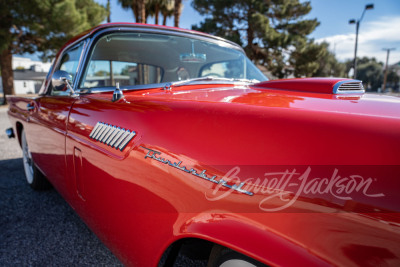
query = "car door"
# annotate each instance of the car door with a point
(50, 117)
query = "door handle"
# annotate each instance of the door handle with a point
(30, 107)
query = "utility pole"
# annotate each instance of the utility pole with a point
(387, 67)
(357, 22)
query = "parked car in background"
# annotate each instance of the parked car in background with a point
(169, 141)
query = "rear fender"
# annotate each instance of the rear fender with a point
(249, 238)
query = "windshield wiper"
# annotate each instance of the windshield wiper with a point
(209, 78)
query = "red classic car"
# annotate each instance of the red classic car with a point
(168, 141)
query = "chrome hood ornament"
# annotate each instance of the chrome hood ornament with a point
(117, 95)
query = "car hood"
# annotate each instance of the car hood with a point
(245, 95)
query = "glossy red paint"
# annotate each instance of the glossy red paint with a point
(314, 85)
(138, 206)
(122, 186)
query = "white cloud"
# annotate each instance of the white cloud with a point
(372, 38)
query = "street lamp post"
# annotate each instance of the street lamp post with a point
(357, 22)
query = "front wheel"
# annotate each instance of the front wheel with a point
(225, 257)
(33, 176)
(234, 259)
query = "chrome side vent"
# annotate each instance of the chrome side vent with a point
(111, 135)
(349, 87)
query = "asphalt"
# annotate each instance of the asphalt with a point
(40, 228)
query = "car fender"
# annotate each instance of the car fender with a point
(247, 237)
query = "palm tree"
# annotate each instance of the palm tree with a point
(167, 10)
(177, 12)
(138, 8)
(143, 8)
(153, 8)
(109, 11)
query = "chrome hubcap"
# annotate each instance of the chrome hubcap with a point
(27, 159)
(236, 263)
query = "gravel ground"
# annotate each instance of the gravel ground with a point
(40, 228)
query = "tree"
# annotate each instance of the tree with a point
(153, 9)
(370, 71)
(101, 73)
(142, 9)
(305, 58)
(138, 8)
(269, 30)
(326, 63)
(177, 12)
(393, 80)
(108, 6)
(29, 26)
(167, 10)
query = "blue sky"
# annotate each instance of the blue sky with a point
(380, 27)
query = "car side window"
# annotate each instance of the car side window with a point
(127, 59)
(69, 63)
(103, 73)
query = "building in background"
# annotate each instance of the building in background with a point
(28, 75)
(28, 81)
(23, 63)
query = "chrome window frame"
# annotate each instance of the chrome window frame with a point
(124, 29)
(91, 38)
(57, 63)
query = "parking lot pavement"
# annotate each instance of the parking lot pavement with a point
(39, 228)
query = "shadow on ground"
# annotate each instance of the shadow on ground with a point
(40, 229)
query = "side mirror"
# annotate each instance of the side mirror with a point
(62, 81)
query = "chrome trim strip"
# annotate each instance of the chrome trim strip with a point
(95, 129)
(106, 130)
(112, 88)
(80, 64)
(153, 86)
(61, 53)
(129, 138)
(120, 140)
(112, 129)
(115, 131)
(102, 128)
(157, 155)
(117, 137)
(111, 135)
(157, 29)
(336, 87)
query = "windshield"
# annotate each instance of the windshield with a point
(148, 58)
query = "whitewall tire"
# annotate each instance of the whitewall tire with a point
(33, 176)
